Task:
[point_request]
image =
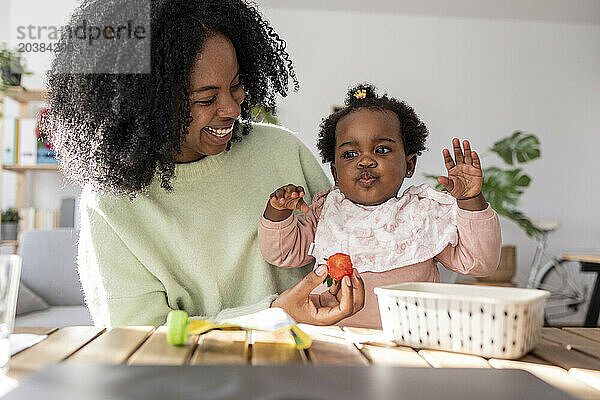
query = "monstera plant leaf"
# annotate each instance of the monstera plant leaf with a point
(520, 219)
(519, 146)
(502, 188)
(261, 113)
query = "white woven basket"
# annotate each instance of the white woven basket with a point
(487, 321)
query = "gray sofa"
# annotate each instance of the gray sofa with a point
(50, 294)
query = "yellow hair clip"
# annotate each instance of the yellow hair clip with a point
(360, 94)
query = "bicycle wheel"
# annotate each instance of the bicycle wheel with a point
(566, 293)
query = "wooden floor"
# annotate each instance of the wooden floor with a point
(567, 358)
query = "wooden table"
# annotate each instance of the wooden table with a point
(567, 358)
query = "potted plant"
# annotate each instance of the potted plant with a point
(10, 224)
(12, 67)
(503, 187)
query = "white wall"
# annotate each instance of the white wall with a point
(479, 79)
(476, 78)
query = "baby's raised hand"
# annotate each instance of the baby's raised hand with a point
(464, 178)
(288, 197)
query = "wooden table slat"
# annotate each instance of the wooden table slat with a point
(567, 359)
(157, 351)
(370, 334)
(316, 331)
(221, 347)
(114, 346)
(444, 359)
(35, 330)
(281, 337)
(530, 358)
(333, 350)
(275, 348)
(394, 356)
(55, 348)
(565, 336)
(590, 333)
(588, 376)
(553, 375)
(572, 341)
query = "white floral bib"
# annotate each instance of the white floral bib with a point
(403, 231)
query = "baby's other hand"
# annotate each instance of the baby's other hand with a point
(465, 178)
(288, 197)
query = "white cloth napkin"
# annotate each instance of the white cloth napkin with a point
(21, 341)
(371, 336)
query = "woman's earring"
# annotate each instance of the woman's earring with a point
(408, 173)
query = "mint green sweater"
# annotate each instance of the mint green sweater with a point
(196, 248)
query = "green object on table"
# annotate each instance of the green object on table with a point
(178, 324)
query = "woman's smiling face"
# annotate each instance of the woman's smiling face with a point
(216, 96)
(370, 163)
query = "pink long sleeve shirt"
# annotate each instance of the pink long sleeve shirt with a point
(286, 244)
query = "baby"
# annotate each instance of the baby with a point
(372, 145)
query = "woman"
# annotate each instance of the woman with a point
(173, 181)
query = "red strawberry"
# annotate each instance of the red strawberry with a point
(339, 265)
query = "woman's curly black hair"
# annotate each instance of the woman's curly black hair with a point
(363, 96)
(115, 131)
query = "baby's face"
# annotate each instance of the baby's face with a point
(370, 163)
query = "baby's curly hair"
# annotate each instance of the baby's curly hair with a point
(364, 96)
(116, 131)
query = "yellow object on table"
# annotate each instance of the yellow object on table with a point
(271, 320)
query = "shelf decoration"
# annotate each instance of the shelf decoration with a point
(45, 152)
